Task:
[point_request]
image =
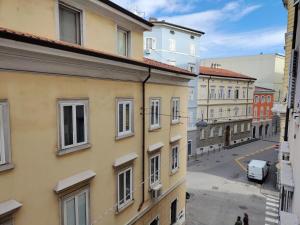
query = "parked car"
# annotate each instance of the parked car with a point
(258, 170)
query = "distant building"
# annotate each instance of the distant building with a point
(268, 69)
(225, 103)
(179, 46)
(263, 123)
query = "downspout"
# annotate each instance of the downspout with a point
(144, 137)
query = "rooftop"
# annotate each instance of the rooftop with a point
(263, 89)
(65, 46)
(219, 72)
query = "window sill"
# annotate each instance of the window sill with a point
(175, 122)
(154, 128)
(121, 209)
(173, 172)
(73, 149)
(124, 136)
(6, 167)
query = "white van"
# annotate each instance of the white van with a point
(257, 170)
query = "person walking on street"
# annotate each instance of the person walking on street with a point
(238, 221)
(246, 219)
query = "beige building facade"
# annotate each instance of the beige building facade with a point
(90, 132)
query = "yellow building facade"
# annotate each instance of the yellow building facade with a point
(90, 132)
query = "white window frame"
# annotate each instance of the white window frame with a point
(5, 150)
(192, 49)
(81, 20)
(156, 123)
(172, 44)
(189, 143)
(126, 201)
(235, 128)
(125, 132)
(155, 182)
(128, 46)
(175, 109)
(75, 196)
(174, 158)
(256, 98)
(242, 127)
(73, 103)
(220, 132)
(152, 46)
(212, 132)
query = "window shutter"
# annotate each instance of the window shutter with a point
(292, 79)
(153, 43)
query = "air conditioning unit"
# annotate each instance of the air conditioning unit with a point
(156, 191)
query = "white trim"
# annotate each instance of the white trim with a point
(125, 159)
(126, 202)
(5, 148)
(175, 110)
(156, 120)
(155, 147)
(175, 138)
(158, 172)
(9, 207)
(74, 180)
(130, 130)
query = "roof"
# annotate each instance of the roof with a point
(177, 26)
(257, 163)
(219, 72)
(263, 89)
(65, 46)
(125, 11)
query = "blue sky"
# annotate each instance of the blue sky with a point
(232, 27)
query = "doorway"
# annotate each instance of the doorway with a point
(227, 136)
(261, 131)
(254, 132)
(174, 212)
(266, 130)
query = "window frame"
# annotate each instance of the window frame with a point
(189, 143)
(235, 128)
(242, 127)
(175, 118)
(73, 103)
(156, 182)
(172, 45)
(80, 25)
(220, 131)
(156, 125)
(75, 195)
(5, 149)
(128, 41)
(130, 132)
(212, 132)
(126, 202)
(173, 157)
(156, 218)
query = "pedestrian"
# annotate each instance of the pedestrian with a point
(246, 219)
(238, 221)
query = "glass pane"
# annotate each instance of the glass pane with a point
(127, 117)
(152, 113)
(68, 125)
(157, 113)
(80, 123)
(128, 185)
(82, 214)
(122, 43)
(152, 170)
(156, 169)
(120, 117)
(121, 188)
(70, 212)
(69, 21)
(2, 152)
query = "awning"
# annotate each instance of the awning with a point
(288, 218)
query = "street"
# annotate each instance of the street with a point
(220, 190)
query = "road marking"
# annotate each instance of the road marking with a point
(272, 204)
(271, 208)
(272, 200)
(272, 214)
(273, 197)
(268, 219)
(237, 160)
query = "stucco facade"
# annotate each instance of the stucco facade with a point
(41, 76)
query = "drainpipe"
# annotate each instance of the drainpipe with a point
(144, 137)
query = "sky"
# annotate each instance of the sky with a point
(232, 27)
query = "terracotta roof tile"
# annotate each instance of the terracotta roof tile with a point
(61, 45)
(218, 72)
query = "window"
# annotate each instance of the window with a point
(249, 110)
(236, 94)
(150, 43)
(125, 117)
(244, 93)
(202, 134)
(154, 170)
(236, 111)
(221, 93)
(5, 154)
(124, 187)
(212, 130)
(174, 212)
(235, 128)
(229, 112)
(191, 122)
(269, 99)
(189, 147)
(155, 113)
(262, 99)
(212, 112)
(123, 42)
(69, 24)
(192, 49)
(73, 123)
(220, 113)
(248, 126)
(155, 221)
(242, 127)
(175, 159)
(220, 131)
(229, 93)
(172, 45)
(256, 98)
(175, 110)
(212, 94)
(75, 208)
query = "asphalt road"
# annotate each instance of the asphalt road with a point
(220, 190)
